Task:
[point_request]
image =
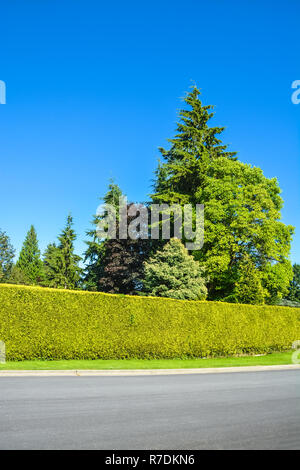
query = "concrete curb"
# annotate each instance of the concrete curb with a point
(140, 372)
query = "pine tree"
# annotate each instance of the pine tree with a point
(29, 261)
(241, 206)
(7, 254)
(95, 252)
(172, 272)
(61, 263)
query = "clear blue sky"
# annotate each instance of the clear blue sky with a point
(93, 88)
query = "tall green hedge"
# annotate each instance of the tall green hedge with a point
(57, 324)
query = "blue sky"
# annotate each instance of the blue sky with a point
(93, 88)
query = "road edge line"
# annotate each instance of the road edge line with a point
(143, 372)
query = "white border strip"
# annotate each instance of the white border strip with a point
(141, 372)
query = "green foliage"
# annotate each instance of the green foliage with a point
(276, 278)
(95, 252)
(122, 262)
(192, 149)
(29, 262)
(52, 266)
(42, 323)
(61, 263)
(7, 253)
(248, 288)
(294, 287)
(17, 276)
(242, 206)
(173, 273)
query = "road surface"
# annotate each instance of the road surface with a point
(247, 410)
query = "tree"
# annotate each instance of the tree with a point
(172, 272)
(16, 276)
(242, 206)
(194, 146)
(248, 289)
(7, 254)
(122, 263)
(95, 252)
(52, 266)
(29, 262)
(294, 287)
(61, 263)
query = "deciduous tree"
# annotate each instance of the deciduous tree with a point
(122, 263)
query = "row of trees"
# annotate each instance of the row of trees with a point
(59, 266)
(115, 266)
(245, 256)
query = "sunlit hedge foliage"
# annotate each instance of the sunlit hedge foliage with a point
(57, 324)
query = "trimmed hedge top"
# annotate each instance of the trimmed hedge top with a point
(43, 323)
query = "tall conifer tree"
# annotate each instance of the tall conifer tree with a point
(52, 266)
(69, 270)
(29, 261)
(61, 263)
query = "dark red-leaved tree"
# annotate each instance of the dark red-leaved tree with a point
(122, 263)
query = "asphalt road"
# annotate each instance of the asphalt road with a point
(253, 410)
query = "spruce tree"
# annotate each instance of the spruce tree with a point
(241, 206)
(29, 262)
(62, 264)
(194, 146)
(52, 266)
(172, 272)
